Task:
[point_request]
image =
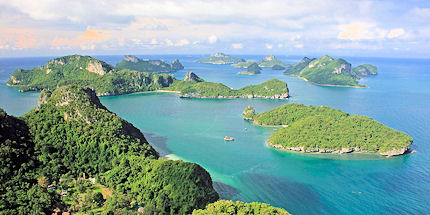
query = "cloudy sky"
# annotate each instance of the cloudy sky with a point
(288, 27)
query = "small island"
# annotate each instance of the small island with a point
(194, 87)
(330, 72)
(327, 130)
(270, 61)
(150, 66)
(221, 58)
(244, 64)
(251, 70)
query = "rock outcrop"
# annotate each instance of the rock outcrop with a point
(190, 76)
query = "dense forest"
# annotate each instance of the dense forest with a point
(230, 207)
(71, 154)
(324, 129)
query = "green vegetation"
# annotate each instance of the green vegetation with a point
(252, 70)
(324, 129)
(19, 191)
(330, 71)
(270, 61)
(229, 207)
(270, 89)
(146, 180)
(86, 71)
(150, 66)
(277, 67)
(365, 70)
(221, 58)
(71, 133)
(244, 64)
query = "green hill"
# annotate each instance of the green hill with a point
(273, 89)
(221, 58)
(329, 71)
(327, 130)
(271, 61)
(86, 71)
(150, 66)
(244, 64)
(251, 70)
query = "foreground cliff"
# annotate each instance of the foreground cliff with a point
(327, 130)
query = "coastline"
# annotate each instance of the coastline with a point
(327, 85)
(394, 152)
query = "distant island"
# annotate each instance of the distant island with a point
(221, 58)
(194, 87)
(327, 130)
(150, 66)
(251, 70)
(330, 72)
(271, 61)
(106, 80)
(244, 64)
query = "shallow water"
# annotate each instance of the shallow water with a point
(246, 169)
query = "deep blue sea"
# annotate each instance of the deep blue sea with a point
(247, 170)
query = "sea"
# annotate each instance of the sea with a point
(246, 169)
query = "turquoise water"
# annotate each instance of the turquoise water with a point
(247, 170)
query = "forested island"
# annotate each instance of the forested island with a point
(71, 154)
(331, 72)
(270, 61)
(221, 58)
(150, 66)
(251, 70)
(194, 87)
(107, 80)
(327, 130)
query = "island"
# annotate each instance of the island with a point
(107, 80)
(244, 64)
(278, 67)
(330, 72)
(150, 66)
(365, 70)
(221, 58)
(251, 70)
(194, 87)
(270, 61)
(327, 130)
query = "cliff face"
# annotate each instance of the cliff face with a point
(190, 76)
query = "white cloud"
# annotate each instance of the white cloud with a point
(396, 32)
(169, 42)
(280, 45)
(182, 42)
(212, 39)
(361, 31)
(299, 45)
(237, 45)
(269, 46)
(154, 41)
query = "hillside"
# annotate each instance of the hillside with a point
(327, 130)
(329, 71)
(273, 89)
(270, 61)
(221, 58)
(150, 66)
(230, 207)
(86, 71)
(251, 70)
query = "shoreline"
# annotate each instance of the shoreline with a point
(334, 152)
(328, 85)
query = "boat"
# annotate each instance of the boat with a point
(228, 138)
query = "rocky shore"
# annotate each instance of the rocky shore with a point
(390, 153)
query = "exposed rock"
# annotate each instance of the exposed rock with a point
(96, 67)
(395, 152)
(220, 54)
(343, 68)
(176, 65)
(190, 76)
(131, 58)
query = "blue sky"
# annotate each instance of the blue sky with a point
(313, 27)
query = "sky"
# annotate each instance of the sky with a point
(301, 27)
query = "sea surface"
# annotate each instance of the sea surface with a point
(247, 170)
